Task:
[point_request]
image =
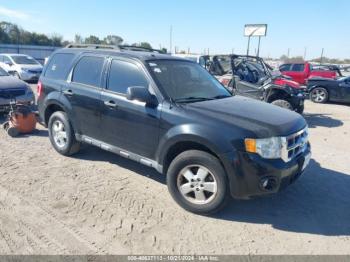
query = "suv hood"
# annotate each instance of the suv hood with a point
(263, 119)
(32, 67)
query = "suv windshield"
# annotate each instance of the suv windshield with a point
(24, 60)
(3, 72)
(186, 81)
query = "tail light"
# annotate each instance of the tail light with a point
(39, 89)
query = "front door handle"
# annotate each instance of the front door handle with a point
(68, 92)
(110, 104)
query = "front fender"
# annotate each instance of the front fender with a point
(196, 133)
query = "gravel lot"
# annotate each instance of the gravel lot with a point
(98, 203)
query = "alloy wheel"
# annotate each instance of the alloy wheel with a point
(197, 184)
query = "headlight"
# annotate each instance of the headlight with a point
(270, 148)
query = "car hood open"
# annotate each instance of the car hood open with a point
(263, 119)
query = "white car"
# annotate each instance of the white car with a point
(23, 66)
(199, 59)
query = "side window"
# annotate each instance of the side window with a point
(298, 67)
(285, 67)
(123, 75)
(1, 58)
(88, 71)
(59, 66)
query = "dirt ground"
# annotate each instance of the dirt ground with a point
(98, 203)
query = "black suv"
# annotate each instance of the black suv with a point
(171, 114)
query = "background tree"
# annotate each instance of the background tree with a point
(113, 40)
(92, 40)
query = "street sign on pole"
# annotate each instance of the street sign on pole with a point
(255, 30)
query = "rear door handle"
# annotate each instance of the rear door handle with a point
(68, 92)
(110, 104)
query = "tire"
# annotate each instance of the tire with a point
(282, 103)
(319, 95)
(62, 135)
(300, 109)
(195, 164)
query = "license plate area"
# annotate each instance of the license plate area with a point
(306, 161)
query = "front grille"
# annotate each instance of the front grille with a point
(34, 72)
(295, 144)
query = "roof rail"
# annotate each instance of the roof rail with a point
(93, 46)
(140, 48)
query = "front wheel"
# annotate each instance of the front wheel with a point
(283, 103)
(319, 95)
(197, 182)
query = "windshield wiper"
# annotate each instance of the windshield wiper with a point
(221, 96)
(192, 99)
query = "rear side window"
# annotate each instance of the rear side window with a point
(59, 66)
(88, 71)
(123, 75)
(285, 67)
(298, 67)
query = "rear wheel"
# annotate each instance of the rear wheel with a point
(61, 134)
(319, 95)
(282, 103)
(197, 182)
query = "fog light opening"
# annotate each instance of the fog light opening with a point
(268, 184)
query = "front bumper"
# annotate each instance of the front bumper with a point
(29, 76)
(247, 173)
(27, 99)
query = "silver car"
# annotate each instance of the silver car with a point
(13, 89)
(24, 67)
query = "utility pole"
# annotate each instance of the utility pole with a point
(305, 50)
(288, 52)
(171, 39)
(321, 61)
(248, 45)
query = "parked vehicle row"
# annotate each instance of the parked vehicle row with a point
(171, 114)
(22, 66)
(251, 77)
(302, 72)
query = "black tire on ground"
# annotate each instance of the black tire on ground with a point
(319, 95)
(282, 103)
(190, 159)
(71, 145)
(300, 109)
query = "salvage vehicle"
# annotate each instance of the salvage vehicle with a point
(16, 90)
(322, 90)
(302, 72)
(171, 114)
(202, 60)
(23, 67)
(250, 76)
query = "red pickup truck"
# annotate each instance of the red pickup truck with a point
(301, 72)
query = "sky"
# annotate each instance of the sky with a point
(296, 25)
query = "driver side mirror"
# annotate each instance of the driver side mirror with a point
(141, 93)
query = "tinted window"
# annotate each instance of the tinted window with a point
(59, 66)
(298, 67)
(88, 71)
(24, 60)
(285, 67)
(123, 75)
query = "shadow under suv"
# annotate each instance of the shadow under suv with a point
(171, 114)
